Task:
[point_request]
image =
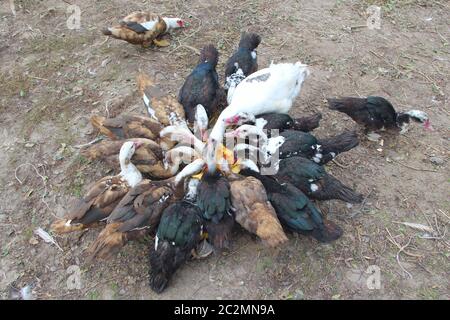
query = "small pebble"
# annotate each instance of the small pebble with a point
(436, 160)
(298, 295)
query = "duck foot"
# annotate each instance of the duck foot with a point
(203, 250)
(161, 43)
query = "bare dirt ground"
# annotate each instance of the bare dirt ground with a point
(53, 79)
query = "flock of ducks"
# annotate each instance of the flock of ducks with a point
(194, 167)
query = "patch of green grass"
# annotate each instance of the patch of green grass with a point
(264, 263)
(115, 288)
(17, 84)
(429, 293)
(5, 251)
(93, 295)
(79, 161)
(28, 233)
(76, 187)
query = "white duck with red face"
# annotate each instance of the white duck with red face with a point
(272, 89)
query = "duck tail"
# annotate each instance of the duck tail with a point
(147, 91)
(108, 242)
(164, 261)
(107, 31)
(220, 233)
(307, 124)
(143, 82)
(62, 226)
(337, 190)
(328, 232)
(98, 122)
(335, 104)
(338, 144)
(250, 41)
(209, 54)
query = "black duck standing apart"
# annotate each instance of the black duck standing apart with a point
(376, 113)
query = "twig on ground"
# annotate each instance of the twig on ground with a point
(339, 164)
(363, 204)
(44, 181)
(141, 57)
(413, 168)
(107, 109)
(80, 146)
(401, 249)
(444, 214)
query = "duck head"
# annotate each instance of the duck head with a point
(416, 115)
(178, 155)
(174, 23)
(127, 151)
(245, 131)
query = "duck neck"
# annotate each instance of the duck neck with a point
(191, 169)
(198, 145)
(218, 130)
(187, 155)
(129, 172)
(175, 165)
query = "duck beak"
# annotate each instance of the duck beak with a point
(204, 134)
(427, 125)
(137, 144)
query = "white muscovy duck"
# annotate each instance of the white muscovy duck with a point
(272, 89)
